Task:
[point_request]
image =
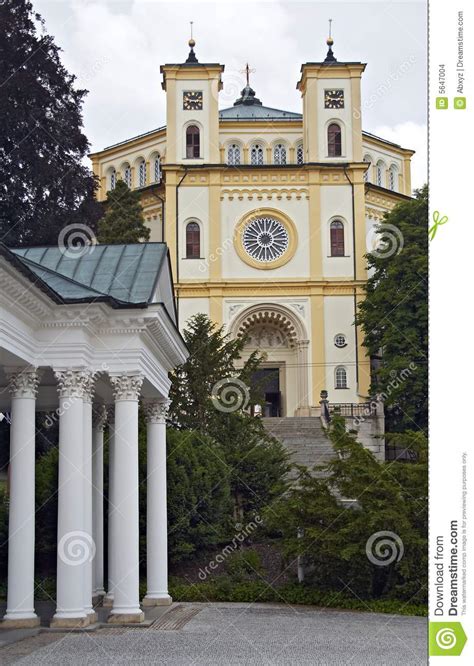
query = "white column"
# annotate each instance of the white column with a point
(21, 525)
(126, 604)
(87, 453)
(157, 524)
(112, 538)
(74, 544)
(99, 418)
(302, 376)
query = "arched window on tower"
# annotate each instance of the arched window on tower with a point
(193, 240)
(157, 169)
(341, 377)
(299, 154)
(233, 154)
(392, 178)
(127, 175)
(113, 179)
(380, 173)
(367, 174)
(337, 238)
(193, 142)
(279, 154)
(334, 140)
(256, 154)
(142, 174)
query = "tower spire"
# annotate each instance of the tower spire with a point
(330, 41)
(191, 43)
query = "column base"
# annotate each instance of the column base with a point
(126, 618)
(108, 601)
(13, 622)
(92, 616)
(69, 622)
(157, 600)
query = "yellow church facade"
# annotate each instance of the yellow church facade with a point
(268, 215)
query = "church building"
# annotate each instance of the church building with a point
(268, 215)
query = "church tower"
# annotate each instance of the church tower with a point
(192, 114)
(331, 109)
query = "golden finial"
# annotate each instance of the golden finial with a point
(330, 40)
(191, 41)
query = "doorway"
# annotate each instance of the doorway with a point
(268, 382)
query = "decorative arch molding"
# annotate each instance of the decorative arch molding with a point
(270, 315)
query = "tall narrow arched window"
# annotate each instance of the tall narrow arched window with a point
(341, 377)
(233, 154)
(379, 173)
(337, 238)
(279, 154)
(142, 174)
(127, 175)
(113, 179)
(193, 142)
(193, 240)
(157, 169)
(256, 154)
(392, 178)
(367, 173)
(299, 154)
(334, 140)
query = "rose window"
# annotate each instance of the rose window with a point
(265, 239)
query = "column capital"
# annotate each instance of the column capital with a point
(156, 410)
(89, 387)
(126, 387)
(72, 383)
(23, 382)
(99, 416)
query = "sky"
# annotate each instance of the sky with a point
(115, 48)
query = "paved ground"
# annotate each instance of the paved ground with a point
(236, 634)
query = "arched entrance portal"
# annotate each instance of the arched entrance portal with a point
(281, 336)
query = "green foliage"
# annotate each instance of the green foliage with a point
(244, 565)
(394, 317)
(223, 589)
(46, 503)
(198, 493)
(44, 184)
(256, 462)
(123, 221)
(357, 498)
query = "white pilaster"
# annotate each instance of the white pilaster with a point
(74, 545)
(21, 525)
(99, 418)
(156, 526)
(126, 604)
(87, 452)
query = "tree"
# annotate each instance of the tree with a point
(123, 221)
(343, 542)
(44, 184)
(209, 394)
(394, 314)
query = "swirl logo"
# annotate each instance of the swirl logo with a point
(76, 240)
(384, 548)
(445, 638)
(76, 548)
(230, 394)
(385, 240)
(232, 84)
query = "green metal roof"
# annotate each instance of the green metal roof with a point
(124, 275)
(257, 112)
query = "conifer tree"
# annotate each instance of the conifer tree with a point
(123, 221)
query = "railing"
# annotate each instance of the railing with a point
(352, 408)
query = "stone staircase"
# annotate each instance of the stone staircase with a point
(303, 437)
